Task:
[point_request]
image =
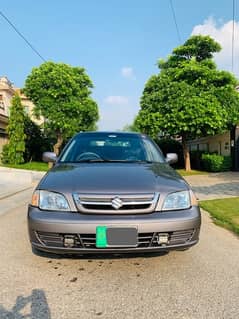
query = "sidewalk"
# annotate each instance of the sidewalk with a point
(14, 180)
(215, 185)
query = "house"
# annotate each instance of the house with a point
(226, 144)
(7, 91)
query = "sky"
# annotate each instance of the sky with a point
(118, 42)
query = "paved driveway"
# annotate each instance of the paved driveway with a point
(196, 284)
(215, 185)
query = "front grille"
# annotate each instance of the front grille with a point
(88, 241)
(116, 203)
(109, 208)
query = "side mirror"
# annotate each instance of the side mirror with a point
(49, 157)
(171, 158)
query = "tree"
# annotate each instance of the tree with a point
(131, 127)
(189, 98)
(36, 142)
(61, 94)
(15, 129)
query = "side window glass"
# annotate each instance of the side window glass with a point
(153, 154)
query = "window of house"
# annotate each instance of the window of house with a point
(1, 102)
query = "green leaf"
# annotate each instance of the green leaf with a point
(62, 95)
(189, 97)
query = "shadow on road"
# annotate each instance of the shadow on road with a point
(94, 256)
(37, 301)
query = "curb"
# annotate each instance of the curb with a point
(14, 181)
(13, 173)
(9, 194)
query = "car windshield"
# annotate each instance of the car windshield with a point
(93, 147)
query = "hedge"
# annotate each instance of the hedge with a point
(216, 163)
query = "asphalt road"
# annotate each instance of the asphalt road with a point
(200, 283)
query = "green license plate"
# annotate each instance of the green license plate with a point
(116, 237)
(101, 236)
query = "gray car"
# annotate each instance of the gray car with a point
(112, 192)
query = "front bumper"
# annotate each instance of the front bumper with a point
(47, 230)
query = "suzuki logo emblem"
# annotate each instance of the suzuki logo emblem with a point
(116, 202)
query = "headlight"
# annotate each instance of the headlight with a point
(178, 200)
(49, 201)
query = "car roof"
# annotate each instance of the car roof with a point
(111, 133)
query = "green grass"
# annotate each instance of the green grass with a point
(192, 172)
(33, 166)
(225, 212)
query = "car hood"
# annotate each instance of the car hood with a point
(112, 178)
(103, 178)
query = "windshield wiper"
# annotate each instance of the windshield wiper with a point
(104, 160)
(91, 160)
(141, 161)
(101, 160)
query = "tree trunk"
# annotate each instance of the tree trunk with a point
(58, 144)
(186, 155)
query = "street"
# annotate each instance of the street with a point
(202, 282)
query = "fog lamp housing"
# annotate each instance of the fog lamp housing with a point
(69, 241)
(163, 239)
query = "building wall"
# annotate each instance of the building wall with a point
(220, 144)
(7, 91)
(5, 100)
(3, 141)
(3, 123)
(29, 107)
